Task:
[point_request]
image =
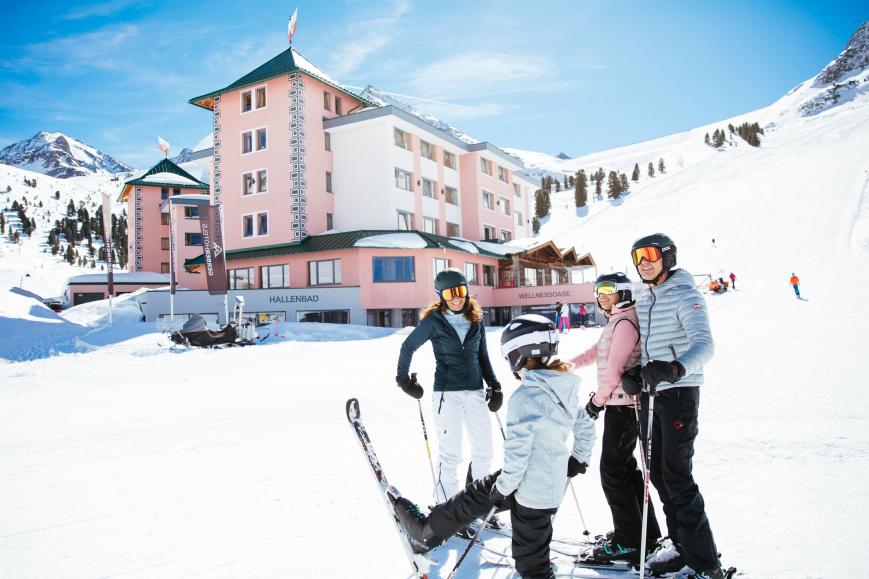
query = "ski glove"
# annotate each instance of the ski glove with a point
(495, 496)
(592, 409)
(632, 382)
(410, 386)
(574, 467)
(658, 371)
(494, 397)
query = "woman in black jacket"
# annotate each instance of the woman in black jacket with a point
(454, 325)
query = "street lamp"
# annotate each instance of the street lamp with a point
(21, 281)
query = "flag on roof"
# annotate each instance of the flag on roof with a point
(164, 145)
(291, 26)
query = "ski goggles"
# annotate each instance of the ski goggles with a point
(648, 253)
(460, 291)
(605, 288)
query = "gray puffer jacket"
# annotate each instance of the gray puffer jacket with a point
(674, 314)
(540, 415)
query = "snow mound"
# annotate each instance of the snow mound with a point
(125, 309)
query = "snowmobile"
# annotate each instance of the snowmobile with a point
(237, 332)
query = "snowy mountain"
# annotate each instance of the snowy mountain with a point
(183, 156)
(59, 155)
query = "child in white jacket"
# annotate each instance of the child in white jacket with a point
(541, 414)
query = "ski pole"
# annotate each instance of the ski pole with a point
(472, 542)
(576, 500)
(648, 474)
(501, 426)
(427, 447)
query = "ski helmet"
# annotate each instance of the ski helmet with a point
(664, 244)
(528, 336)
(622, 283)
(448, 278)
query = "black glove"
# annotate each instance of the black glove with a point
(592, 409)
(495, 496)
(494, 397)
(658, 371)
(410, 386)
(632, 381)
(574, 467)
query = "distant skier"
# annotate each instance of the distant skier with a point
(795, 283)
(618, 349)
(455, 328)
(562, 312)
(583, 315)
(713, 242)
(541, 413)
(676, 343)
(733, 280)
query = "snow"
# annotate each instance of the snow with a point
(465, 245)
(168, 178)
(124, 458)
(207, 142)
(396, 240)
(121, 276)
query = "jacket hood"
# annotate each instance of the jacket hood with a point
(560, 386)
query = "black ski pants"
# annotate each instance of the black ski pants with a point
(621, 479)
(532, 528)
(674, 428)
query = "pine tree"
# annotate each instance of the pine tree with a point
(614, 186)
(706, 139)
(581, 194)
(565, 182)
(2, 223)
(661, 165)
(651, 169)
(597, 188)
(535, 225)
(557, 184)
(57, 195)
(541, 203)
(635, 176)
(623, 182)
(70, 208)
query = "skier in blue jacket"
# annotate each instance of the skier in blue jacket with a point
(541, 414)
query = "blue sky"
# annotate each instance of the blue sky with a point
(552, 76)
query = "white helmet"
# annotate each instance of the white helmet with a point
(528, 336)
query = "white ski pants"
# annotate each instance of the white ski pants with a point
(451, 411)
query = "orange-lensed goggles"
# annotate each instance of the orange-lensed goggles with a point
(647, 253)
(460, 291)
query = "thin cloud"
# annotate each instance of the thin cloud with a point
(78, 52)
(368, 36)
(101, 9)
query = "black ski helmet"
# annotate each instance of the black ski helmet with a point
(447, 278)
(662, 242)
(528, 336)
(623, 285)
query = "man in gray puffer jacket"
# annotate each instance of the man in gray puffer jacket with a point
(675, 344)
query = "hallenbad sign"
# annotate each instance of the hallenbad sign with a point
(294, 299)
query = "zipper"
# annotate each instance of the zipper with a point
(649, 324)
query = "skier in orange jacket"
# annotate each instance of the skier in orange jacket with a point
(795, 283)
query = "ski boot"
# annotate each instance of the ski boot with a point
(414, 523)
(665, 559)
(608, 551)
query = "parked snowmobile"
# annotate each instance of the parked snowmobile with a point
(237, 332)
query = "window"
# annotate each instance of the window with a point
(489, 275)
(338, 109)
(503, 174)
(555, 277)
(380, 318)
(409, 317)
(262, 181)
(240, 278)
(192, 239)
(393, 269)
(529, 275)
(246, 102)
(247, 226)
(449, 160)
(328, 182)
(517, 189)
(520, 220)
(489, 233)
(246, 142)
(471, 273)
(427, 150)
(504, 205)
(176, 190)
(274, 276)
(262, 224)
(506, 235)
(164, 219)
(191, 212)
(403, 179)
(430, 225)
(327, 100)
(326, 272)
(261, 97)
(487, 167)
(164, 267)
(453, 230)
(451, 195)
(328, 221)
(325, 317)
(164, 243)
(164, 193)
(488, 200)
(429, 189)
(260, 139)
(405, 221)
(328, 141)
(247, 183)
(440, 264)
(402, 139)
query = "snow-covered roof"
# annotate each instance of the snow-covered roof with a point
(168, 178)
(131, 277)
(206, 143)
(396, 240)
(464, 244)
(498, 248)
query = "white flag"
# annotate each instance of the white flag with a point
(164, 145)
(291, 26)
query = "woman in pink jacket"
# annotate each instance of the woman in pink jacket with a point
(617, 350)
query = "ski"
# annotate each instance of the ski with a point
(420, 563)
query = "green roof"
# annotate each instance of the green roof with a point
(334, 241)
(284, 63)
(167, 166)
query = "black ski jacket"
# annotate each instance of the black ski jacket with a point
(459, 366)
